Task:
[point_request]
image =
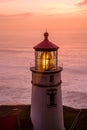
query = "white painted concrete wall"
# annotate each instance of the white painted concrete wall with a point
(44, 117)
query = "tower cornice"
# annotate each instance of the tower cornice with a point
(59, 69)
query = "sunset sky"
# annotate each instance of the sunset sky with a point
(43, 13)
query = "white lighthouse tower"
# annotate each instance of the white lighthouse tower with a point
(46, 103)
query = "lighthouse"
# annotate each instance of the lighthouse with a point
(46, 98)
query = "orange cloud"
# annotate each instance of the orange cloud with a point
(24, 15)
(30, 21)
(83, 3)
(4, 0)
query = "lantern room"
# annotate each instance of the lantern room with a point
(46, 55)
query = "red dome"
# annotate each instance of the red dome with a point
(46, 45)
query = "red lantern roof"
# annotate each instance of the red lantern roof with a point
(46, 45)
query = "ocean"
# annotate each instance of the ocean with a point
(17, 56)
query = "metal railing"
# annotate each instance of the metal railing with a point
(75, 122)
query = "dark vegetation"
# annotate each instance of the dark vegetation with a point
(74, 119)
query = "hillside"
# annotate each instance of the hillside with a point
(74, 119)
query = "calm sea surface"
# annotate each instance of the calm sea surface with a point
(17, 55)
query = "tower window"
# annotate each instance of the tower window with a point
(51, 78)
(52, 100)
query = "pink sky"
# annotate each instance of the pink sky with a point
(26, 14)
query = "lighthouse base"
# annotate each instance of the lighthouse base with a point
(46, 116)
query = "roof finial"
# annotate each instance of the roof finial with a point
(46, 34)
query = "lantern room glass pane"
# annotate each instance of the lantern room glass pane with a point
(45, 60)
